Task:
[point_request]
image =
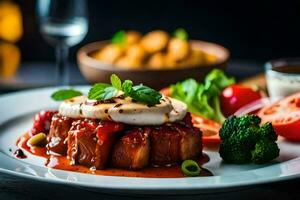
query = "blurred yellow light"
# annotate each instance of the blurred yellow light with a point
(10, 57)
(11, 28)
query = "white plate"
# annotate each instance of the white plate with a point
(17, 109)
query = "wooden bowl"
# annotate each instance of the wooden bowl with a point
(97, 71)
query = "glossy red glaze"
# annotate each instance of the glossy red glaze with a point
(106, 128)
(61, 162)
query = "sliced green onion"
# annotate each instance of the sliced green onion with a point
(190, 168)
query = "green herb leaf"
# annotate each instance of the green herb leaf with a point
(127, 87)
(116, 81)
(97, 91)
(140, 93)
(64, 94)
(181, 34)
(145, 94)
(119, 38)
(216, 76)
(109, 93)
(186, 90)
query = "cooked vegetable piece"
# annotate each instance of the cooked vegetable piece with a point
(178, 49)
(110, 53)
(128, 63)
(39, 140)
(157, 61)
(155, 41)
(156, 49)
(190, 168)
(265, 150)
(243, 140)
(132, 37)
(136, 52)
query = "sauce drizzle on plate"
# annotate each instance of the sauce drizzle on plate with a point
(61, 162)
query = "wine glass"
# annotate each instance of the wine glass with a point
(63, 24)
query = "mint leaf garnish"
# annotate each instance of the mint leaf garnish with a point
(140, 93)
(144, 94)
(97, 91)
(64, 94)
(116, 81)
(127, 87)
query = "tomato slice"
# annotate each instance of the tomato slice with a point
(209, 128)
(285, 117)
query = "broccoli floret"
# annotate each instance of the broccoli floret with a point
(228, 128)
(264, 151)
(247, 121)
(244, 140)
(243, 128)
(233, 151)
(247, 136)
(267, 131)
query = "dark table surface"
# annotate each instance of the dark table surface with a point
(41, 74)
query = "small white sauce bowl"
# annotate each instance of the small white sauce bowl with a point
(279, 83)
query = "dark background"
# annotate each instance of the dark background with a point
(253, 30)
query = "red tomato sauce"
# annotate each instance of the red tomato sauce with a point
(61, 162)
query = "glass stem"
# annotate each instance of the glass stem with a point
(62, 65)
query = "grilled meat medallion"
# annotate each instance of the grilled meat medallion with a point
(100, 144)
(132, 150)
(59, 128)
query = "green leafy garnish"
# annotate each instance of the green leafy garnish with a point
(64, 94)
(116, 81)
(140, 93)
(119, 38)
(127, 87)
(102, 91)
(181, 34)
(203, 99)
